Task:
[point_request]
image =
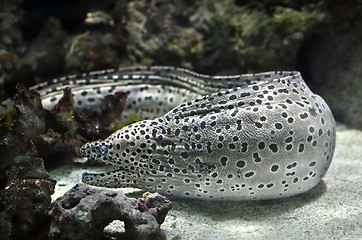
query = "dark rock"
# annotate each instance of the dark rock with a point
(30, 118)
(83, 212)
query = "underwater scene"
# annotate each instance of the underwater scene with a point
(170, 120)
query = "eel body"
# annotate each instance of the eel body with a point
(242, 137)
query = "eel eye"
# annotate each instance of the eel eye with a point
(103, 149)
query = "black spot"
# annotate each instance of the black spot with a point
(303, 116)
(234, 113)
(278, 126)
(320, 132)
(258, 125)
(256, 157)
(290, 120)
(232, 97)
(311, 129)
(118, 146)
(300, 104)
(312, 164)
(230, 176)
(312, 112)
(274, 168)
(261, 145)
(295, 180)
(244, 147)
(223, 161)
(263, 118)
(232, 146)
(184, 155)
(245, 94)
(270, 185)
(208, 147)
(249, 174)
(301, 147)
(255, 88)
(288, 147)
(260, 185)
(240, 104)
(240, 164)
(284, 114)
(273, 147)
(235, 138)
(322, 121)
(177, 132)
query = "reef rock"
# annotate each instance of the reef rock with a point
(83, 212)
(25, 188)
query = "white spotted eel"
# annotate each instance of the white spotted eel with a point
(242, 137)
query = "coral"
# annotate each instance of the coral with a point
(46, 53)
(83, 212)
(90, 52)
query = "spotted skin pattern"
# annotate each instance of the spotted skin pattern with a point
(244, 137)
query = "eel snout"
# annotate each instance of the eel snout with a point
(95, 151)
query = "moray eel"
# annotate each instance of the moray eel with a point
(243, 137)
